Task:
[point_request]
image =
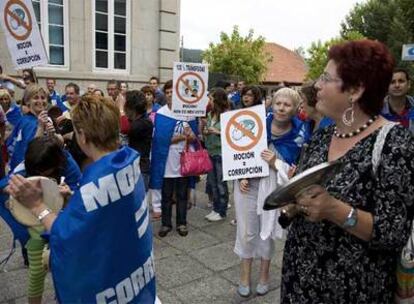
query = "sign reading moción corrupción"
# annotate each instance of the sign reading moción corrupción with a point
(23, 38)
(243, 138)
(190, 82)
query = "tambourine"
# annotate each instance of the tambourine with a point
(51, 198)
(287, 194)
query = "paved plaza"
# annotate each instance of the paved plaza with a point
(199, 268)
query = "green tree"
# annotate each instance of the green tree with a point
(243, 57)
(191, 55)
(401, 29)
(388, 21)
(318, 53)
(372, 19)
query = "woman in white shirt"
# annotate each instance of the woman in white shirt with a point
(170, 135)
(256, 228)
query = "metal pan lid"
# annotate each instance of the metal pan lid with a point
(286, 194)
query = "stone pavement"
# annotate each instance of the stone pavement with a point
(199, 268)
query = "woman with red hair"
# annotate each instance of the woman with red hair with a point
(343, 245)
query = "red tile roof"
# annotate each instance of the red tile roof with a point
(287, 66)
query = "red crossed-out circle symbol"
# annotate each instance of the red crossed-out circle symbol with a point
(237, 125)
(182, 79)
(24, 28)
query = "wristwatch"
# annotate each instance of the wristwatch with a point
(43, 214)
(351, 219)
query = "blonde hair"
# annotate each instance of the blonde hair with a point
(98, 118)
(4, 92)
(288, 93)
(31, 91)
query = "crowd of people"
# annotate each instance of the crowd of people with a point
(119, 153)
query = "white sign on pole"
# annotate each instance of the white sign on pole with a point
(408, 52)
(243, 138)
(190, 82)
(23, 38)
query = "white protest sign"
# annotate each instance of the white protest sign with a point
(243, 138)
(23, 38)
(190, 89)
(408, 52)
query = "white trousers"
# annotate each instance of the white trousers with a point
(249, 244)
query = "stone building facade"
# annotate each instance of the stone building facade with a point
(93, 41)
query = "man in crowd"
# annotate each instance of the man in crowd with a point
(91, 88)
(72, 94)
(54, 96)
(229, 88)
(159, 95)
(112, 88)
(72, 99)
(236, 98)
(28, 78)
(398, 105)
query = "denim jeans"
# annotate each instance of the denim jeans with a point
(218, 186)
(179, 185)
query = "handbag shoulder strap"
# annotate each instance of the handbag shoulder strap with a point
(197, 141)
(379, 144)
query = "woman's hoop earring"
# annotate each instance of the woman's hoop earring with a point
(348, 115)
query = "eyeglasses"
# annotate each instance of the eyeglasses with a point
(325, 77)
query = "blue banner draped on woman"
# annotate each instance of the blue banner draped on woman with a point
(22, 134)
(101, 244)
(164, 126)
(14, 115)
(289, 144)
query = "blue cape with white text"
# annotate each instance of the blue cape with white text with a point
(101, 244)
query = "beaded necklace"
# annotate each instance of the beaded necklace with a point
(357, 131)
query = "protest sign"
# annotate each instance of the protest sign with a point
(23, 37)
(190, 89)
(243, 138)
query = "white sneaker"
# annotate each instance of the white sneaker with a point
(207, 217)
(215, 217)
(228, 206)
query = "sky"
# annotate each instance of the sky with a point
(290, 23)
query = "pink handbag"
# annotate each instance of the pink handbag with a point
(195, 163)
